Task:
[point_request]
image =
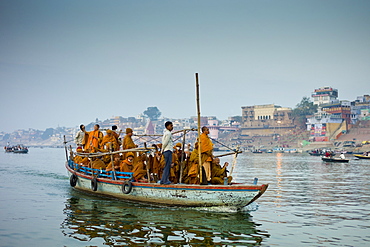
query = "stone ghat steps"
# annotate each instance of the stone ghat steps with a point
(357, 134)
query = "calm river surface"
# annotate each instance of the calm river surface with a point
(308, 203)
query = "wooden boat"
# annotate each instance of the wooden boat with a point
(361, 156)
(234, 196)
(331, 159)
(121, 185)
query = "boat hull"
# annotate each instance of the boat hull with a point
(335, 160)
(234, 196)
(20, 151)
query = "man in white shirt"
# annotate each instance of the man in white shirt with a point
(80, 136)
(167, 147)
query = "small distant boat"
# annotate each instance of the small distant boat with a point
(316, 153)
(361, 156)
(20, 149)
(331, 159)
(257, 152)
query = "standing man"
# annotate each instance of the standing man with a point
(167, 146)
(116, 135)
(80, 137)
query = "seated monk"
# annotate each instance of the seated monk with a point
(127, 164)
(139, 168)
(219, 173)
(116, 162)
(81, 160)
(109, 141)
(98, 164)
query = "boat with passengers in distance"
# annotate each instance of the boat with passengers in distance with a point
(20, 149)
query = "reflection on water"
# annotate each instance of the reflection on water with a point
(118, 223)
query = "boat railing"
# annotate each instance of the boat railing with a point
(114, 175)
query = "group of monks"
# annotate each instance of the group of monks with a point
(148, 166)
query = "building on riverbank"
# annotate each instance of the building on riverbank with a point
(265, 120)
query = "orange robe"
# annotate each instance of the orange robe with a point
(116, 163)
(174, 172)
(126, 166)
(109, 139)
(116, 135)
(84, 161)
(158, 164)
(206, 147)
(94, 139)
(193, 171)
(139, 170)
(128, 143)
(98, 164)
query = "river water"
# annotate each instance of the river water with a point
(308, 203)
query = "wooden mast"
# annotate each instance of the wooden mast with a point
(198, 111)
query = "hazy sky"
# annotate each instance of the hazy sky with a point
(68, 62)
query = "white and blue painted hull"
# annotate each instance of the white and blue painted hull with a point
(235, 195)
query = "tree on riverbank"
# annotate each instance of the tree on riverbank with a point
(152, 112)
(302, 110)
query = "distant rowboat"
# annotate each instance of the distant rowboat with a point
(328, 159)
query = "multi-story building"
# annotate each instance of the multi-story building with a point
(324, 126)
(266, 120)
(324, 95)
(333, 117)
(360, 109)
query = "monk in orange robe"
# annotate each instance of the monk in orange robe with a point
(139, 168)
(84, 161)
(94, 138)
(158, 164)
(127, 142)
(98, 164)
(116, 135)
(116, 163)
(193, 171)
(206, 147)
(174, 171)
(127, 164)
(219, 173)
(109, 141)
